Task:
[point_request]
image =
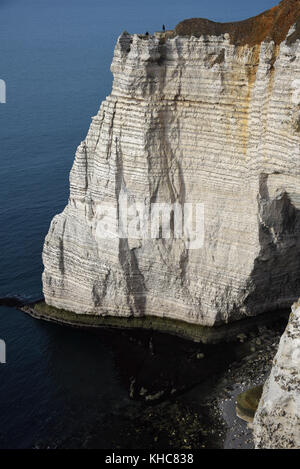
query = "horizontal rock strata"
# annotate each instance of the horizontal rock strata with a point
(189, 120)
(277, 420)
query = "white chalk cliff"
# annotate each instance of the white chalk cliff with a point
(277, 420)
(209, 117)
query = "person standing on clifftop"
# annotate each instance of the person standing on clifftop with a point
(164, 28)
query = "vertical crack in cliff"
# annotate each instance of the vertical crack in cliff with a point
(101, 120)
(184, 257)
(110, 142)
(110, 132)
(136, 289)
(99, 290)
(275, 55)
(61, 260)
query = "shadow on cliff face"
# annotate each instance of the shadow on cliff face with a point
(136, 297)
(275, 277)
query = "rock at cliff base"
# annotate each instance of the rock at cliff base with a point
(277, 420)
(247, 403)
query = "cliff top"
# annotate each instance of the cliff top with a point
(273, 24)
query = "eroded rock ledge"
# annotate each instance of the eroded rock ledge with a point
(199, 120)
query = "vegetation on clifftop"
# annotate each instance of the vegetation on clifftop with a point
(271, 25)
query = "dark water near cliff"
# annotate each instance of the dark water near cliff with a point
(60, 386)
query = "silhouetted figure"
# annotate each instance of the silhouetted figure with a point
(164, 28)
(146, 33)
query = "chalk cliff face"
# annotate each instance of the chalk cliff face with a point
(277, 420)
(190, 120)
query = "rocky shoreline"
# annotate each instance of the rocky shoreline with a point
(242, 374)
(199, 399)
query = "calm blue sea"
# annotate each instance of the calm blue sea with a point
(59, 385)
